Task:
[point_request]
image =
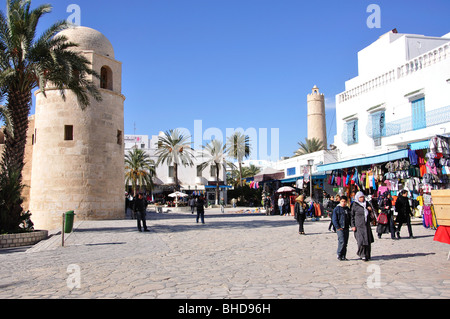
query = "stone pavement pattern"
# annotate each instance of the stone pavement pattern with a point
(231, 256)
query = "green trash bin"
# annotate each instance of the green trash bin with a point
(68, 222)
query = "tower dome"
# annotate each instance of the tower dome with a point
(89, 39)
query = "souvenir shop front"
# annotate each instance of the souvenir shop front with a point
(422, 167)
(368, 174)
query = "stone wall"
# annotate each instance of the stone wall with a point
(24, 239)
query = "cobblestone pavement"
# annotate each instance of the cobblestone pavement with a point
(231, 256)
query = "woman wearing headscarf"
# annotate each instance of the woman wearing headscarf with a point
(361, 217)
(300, 209)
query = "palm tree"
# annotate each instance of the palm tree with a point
(310, 146)
(215, 154)
(250, 171)
(27, 62)
(139, 170)
(174, 148)
(238, 147)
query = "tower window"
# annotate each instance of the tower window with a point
(119, 137)
(68, 133)
(106, 78)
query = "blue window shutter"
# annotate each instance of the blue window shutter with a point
(355, 131)
(419, 117)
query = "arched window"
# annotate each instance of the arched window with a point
(106, 78)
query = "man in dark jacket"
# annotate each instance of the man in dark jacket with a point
(201, 209)
(140, 208)
(341, 222)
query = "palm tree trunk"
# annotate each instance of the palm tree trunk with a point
(175, 176)
(19, 104)
(13, 155)
(217, 184)
(240, 174)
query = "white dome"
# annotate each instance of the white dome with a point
(89, 39)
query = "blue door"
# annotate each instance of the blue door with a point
(419, 117)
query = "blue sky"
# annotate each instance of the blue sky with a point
(241, 63)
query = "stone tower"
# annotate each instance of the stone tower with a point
(317, 126)
(78, 155)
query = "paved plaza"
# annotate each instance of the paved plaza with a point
(234, 255)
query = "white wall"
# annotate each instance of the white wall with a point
(390, 92)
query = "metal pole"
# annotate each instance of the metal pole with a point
(62, 231)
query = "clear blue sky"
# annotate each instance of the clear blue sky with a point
(241, 63)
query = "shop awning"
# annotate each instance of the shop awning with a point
(423, 145)
(220, 186)
(269, 174)
(376, 159)
(291, 180)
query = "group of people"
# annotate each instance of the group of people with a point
(138, 205)
(283, 205)
(358, 215)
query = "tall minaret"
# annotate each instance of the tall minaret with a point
(317, 126)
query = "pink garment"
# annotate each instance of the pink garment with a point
(427, 218)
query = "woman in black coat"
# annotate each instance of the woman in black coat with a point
(404, 212)
(385, 206)
(300, 209)
(361, 217)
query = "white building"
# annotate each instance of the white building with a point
(400, 99)
(191, 178)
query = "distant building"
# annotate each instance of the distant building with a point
(317, 125)
(400, 98)
(192, 180)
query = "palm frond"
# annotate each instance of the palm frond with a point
(309, 146)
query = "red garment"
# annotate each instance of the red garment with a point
(443, 234)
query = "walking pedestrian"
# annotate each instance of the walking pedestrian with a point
(300, 213)
(140, 209)
(222, 205)
(404, 213)
(287, 206)
(267, 205)
(361, 218)
(331, 205)
(192, 204)
(201, 209)
(386, 222)
(280, 204)
(341, 222)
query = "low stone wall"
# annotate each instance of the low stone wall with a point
(23, 239)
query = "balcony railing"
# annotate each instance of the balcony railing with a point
(433, 117)
(425, 60)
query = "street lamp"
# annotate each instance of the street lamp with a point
(310, 164)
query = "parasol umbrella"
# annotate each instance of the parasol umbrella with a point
(285, 189)
(178, 194)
